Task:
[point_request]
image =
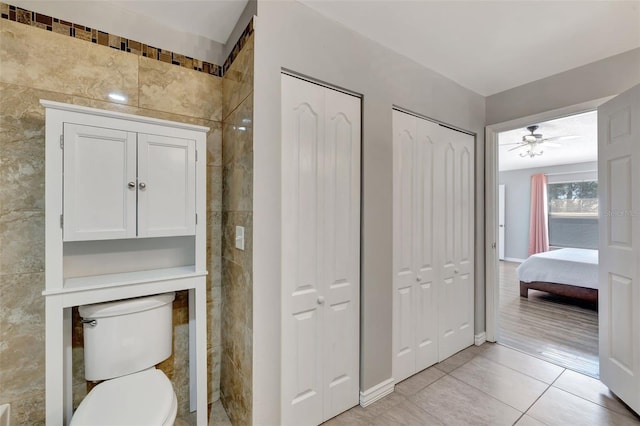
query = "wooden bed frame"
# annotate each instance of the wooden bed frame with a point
(582, 293)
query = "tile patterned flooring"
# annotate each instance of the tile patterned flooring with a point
(494, 385)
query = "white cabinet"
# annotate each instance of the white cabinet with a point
(320, 252)
(433, 243)
(123, 184)
(113, 180)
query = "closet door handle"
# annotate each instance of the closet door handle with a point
(142, 185)
(418, 278)
(131, 185)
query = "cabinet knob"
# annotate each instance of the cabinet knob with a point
(131, 185)
(320, 300)
(455, 271)
(142, 185)
(418, 278)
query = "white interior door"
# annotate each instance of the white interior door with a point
(619, 292)
(501, 228)
(166, 186)
(320, 251)
(99, 167)
(455, 169)
(433, 243)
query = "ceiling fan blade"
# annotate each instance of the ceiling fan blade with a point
(560, 138)
(552, 144)
(512, 143)
(517, 147)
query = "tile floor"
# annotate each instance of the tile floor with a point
(218, 417)
(493, 385)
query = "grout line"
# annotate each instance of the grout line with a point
(521, 372)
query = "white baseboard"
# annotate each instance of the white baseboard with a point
(480, 338)
(514, 259)
(5, 414)
(377, 392)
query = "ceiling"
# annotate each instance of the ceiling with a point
(212, 19)
(491, 46)
(580, 149)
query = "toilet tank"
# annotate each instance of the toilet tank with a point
(126, 336)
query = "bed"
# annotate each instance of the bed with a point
(566, 272)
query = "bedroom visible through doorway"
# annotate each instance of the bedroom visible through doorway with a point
(548, 240)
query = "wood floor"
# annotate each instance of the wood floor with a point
(559, 330)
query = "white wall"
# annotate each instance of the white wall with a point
(290, 35)
(597, 80)
(518, 201)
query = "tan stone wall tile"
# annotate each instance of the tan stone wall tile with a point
(178, 90)
(237, 82)
(48, 61)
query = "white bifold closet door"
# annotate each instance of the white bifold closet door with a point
(433, 243)
(320, 251)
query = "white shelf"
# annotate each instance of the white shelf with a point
(73, 285)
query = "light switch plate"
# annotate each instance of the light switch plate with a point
(240, 237)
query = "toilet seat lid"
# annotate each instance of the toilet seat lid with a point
(144, 398)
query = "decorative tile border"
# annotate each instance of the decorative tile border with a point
(238, 46)
(27, 17)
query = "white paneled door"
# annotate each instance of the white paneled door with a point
(433, 243)
(320, 251)
(619, 247)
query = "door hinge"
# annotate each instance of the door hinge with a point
(196, 218)
(61, 221)
(196, 155)
(61, 141)
(493, 245)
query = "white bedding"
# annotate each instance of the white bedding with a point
(572, 266)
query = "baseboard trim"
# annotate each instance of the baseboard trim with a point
(480, 338)
(514, 259)
(376, 392)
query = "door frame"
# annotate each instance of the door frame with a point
(491, 198)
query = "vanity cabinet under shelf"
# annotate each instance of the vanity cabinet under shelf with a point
(123, 196)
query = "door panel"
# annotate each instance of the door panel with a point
(302, 132)
(98, 165)
(404, 276)
(619, 226)
(166, 186)
(425, 296)
(340, 173)
(321, 250)
(456, 332)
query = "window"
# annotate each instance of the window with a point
(573, 214)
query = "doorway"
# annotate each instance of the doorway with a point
(559, 329)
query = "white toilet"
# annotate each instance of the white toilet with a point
(123, 341)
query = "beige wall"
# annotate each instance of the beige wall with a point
(37, 64)
(237, 210)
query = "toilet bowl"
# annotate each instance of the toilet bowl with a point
(123, 341)
(145, 398)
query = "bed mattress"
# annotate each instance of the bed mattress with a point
(572, 266)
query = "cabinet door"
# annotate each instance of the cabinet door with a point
(166, 186)
(99, 165)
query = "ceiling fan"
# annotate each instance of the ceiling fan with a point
(532, 143)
